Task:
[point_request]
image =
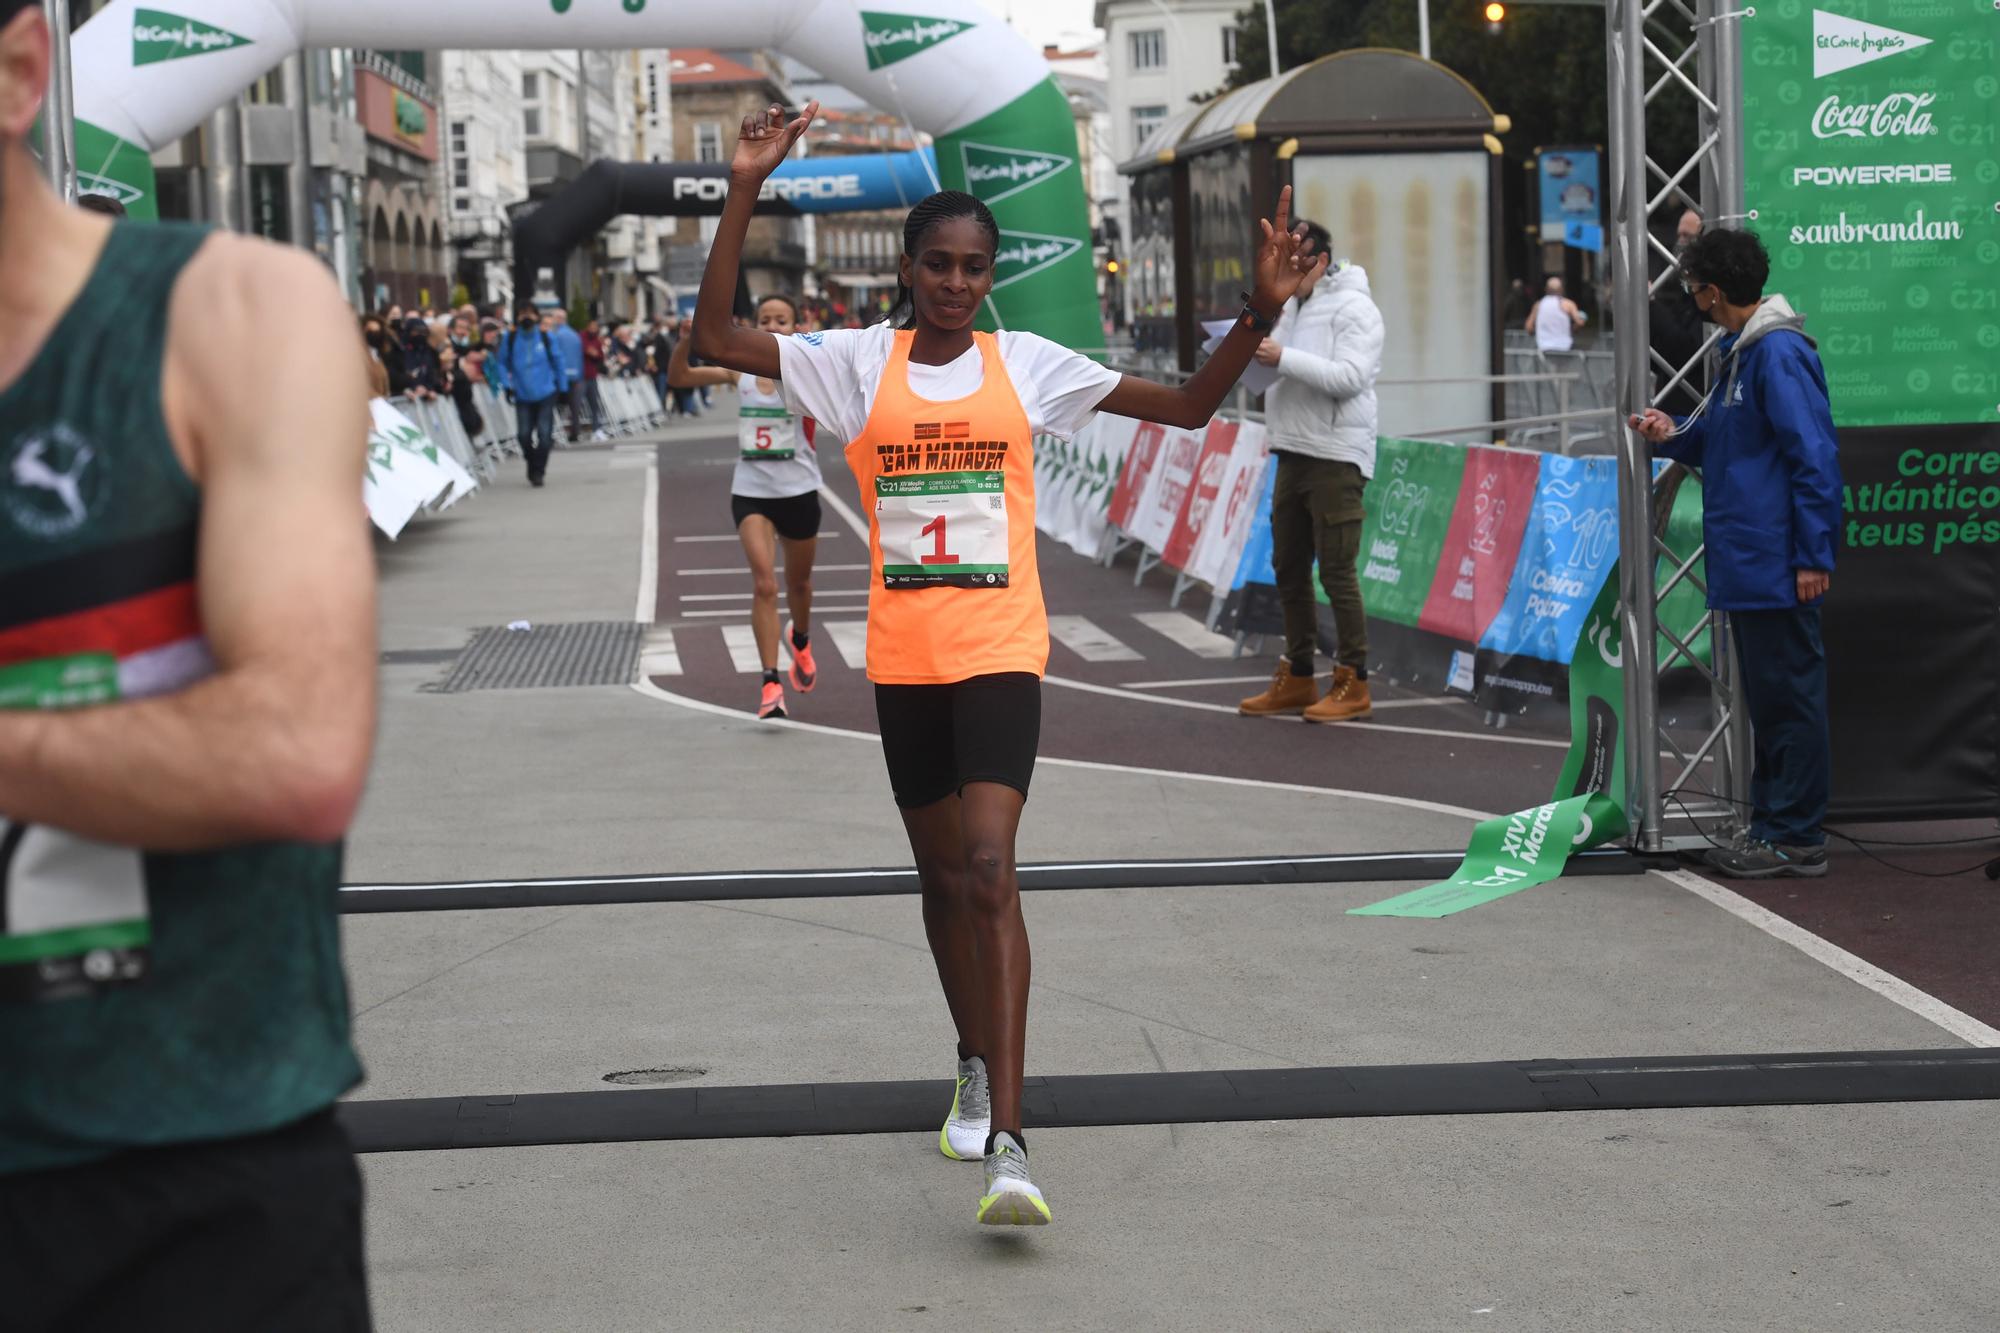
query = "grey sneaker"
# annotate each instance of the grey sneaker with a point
(1758, 859)
(1011, 1199)
(963, 1138)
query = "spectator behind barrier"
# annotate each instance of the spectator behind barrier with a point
(1771, 493)
(1327, 350)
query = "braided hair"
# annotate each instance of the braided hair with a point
(944, 206)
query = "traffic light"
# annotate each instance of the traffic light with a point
(1495, 14)
(1111, 267)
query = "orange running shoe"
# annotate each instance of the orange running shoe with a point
(805, 672)
(772, 702)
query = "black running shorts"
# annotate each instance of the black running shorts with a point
(234, 1236)
(938, 738)
(796, 517)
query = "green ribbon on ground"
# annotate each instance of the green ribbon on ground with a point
(1587, 809)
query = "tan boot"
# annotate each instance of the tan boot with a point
(1287, 694)
(1346, 699)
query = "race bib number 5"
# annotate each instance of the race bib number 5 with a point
(767, 434)
(943, 530)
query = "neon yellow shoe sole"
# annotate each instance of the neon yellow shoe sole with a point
(1011, 1208)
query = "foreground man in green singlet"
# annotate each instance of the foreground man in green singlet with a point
(187, 666)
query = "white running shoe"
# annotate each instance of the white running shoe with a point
(1011, 1199)
(963, 1138)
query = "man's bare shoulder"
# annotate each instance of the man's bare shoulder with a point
(258, 328)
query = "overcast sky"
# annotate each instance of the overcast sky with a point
(1045, 21)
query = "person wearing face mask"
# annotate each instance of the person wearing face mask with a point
(1676, 329)
(1771, 492)
(529, 369)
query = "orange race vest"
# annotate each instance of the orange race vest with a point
(954, 591)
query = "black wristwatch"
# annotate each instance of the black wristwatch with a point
(1253, 320)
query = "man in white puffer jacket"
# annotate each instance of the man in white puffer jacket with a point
(1320, 416)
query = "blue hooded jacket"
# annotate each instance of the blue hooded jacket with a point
(528, 365)
(1770, 468)
(569, 343)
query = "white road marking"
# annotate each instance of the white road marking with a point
(741, 640)
(1165, 702)
(1858, 970)
(1188, 632)
(649, 548)
(855, 523)
(746, 596)
(658, 656)
(745, 569)
(1083, 637)
(1257, 679)
(825, 535)
(850, 640)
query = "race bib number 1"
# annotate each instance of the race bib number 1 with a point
(73, 914)
(767, 434)
(943, 530)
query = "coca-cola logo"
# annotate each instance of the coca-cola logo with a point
(1897, 116)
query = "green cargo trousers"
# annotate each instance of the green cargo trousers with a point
(1316, 513)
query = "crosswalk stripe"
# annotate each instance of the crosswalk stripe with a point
(658, 656)
(1188, 632)
(1084, 638)
(850, 640)
(743, 569)
(746, 596)
(742, 643)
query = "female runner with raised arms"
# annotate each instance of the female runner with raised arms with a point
(773, 498)
(940, 422)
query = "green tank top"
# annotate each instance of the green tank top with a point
(144, 998)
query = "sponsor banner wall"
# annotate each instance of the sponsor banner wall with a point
(1218, 443)
(1483, 543)
(1173, 475)
(1410, 502)
(1218, 552)
(1872, 159)
(406, 473)
(1139, 475)
(1570, 543)
(1074, 481)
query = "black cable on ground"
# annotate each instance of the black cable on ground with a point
(1990, 866)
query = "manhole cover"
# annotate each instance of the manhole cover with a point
(599, 652)
(646, 1078)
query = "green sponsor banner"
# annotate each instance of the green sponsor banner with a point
(1043, 278)
(60, 682)
(1531, 847)
(107, 164)
(158, 35)
(1872, 161)
(894, 37)
(1409, 515)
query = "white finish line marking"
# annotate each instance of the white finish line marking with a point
(1188, 632)
(1086, 640)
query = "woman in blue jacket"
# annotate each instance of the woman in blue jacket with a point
(1771, 497)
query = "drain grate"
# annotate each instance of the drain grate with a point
(598, 652)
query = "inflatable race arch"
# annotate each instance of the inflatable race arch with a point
(146, 75)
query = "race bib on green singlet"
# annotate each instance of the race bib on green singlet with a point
(767, 434)
(73, 913)
(943, 530)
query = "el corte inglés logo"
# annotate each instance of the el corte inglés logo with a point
(1023, 253)
(893, 37)
(1842, 43)
(993, 174)
(158, 36)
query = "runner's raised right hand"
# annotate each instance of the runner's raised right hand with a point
(766, 140)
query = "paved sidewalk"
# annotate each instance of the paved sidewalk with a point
(1860, 1218)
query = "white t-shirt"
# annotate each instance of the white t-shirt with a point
(831, 377)
(1552, 325)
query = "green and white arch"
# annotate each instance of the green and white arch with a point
(148, 73)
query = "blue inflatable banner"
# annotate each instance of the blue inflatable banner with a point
(854, 184)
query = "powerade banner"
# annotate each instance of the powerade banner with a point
(1410, 501)
(861, 183)
(1569, 190)
(1570, 544)
(1483, 543)
(1872, 161)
